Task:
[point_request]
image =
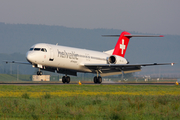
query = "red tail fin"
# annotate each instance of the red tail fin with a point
(121, 45)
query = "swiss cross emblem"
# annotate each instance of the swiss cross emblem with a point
(122, 46)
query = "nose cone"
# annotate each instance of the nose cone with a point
(29, 57)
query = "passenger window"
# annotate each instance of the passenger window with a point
(37, 49)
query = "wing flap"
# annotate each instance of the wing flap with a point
(117, 73)
(125, 65)
(113, 69)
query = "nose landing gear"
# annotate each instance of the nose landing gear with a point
(39, 72)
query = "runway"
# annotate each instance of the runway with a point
(85, 83)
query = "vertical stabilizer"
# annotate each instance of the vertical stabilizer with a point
(123, 41)
(121, 45)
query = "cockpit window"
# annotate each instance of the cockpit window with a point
(31, 49)
(43, 49)
(37, 49)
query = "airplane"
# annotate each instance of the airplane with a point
(69, 60)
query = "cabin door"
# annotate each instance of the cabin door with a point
(51, 58)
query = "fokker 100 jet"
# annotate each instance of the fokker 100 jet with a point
(69, 60)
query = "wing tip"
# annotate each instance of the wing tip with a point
(172, 64)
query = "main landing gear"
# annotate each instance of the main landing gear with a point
(66, 79)
(97, 79)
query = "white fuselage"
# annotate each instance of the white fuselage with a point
(62, 57)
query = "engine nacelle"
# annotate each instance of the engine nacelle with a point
(114, 59)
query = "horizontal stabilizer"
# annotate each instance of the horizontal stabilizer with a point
(129, 36)
(123, 41)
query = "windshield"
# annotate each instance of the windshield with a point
(38, 49)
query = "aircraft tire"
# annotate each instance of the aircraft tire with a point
(99, 80)
(39, 72)
(63, 79)
(95, 79)
(68, 79)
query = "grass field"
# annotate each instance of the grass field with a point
(119, 102)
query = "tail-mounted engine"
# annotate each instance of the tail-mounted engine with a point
(114, 59)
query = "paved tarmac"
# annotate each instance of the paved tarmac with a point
(59, 83)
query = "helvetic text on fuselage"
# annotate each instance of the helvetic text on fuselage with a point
(73, 55)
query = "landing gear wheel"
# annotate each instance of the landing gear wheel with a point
(95, 79)
(39, 72)
(66, 79)
(99, 79)
(63, 79)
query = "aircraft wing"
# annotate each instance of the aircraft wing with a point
(18, 62)
(114, 69)
(50, 69)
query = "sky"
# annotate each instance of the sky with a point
(145, 16)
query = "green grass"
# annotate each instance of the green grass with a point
(6, 77)
(80, 106)
(92, 107)
(14, 78)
